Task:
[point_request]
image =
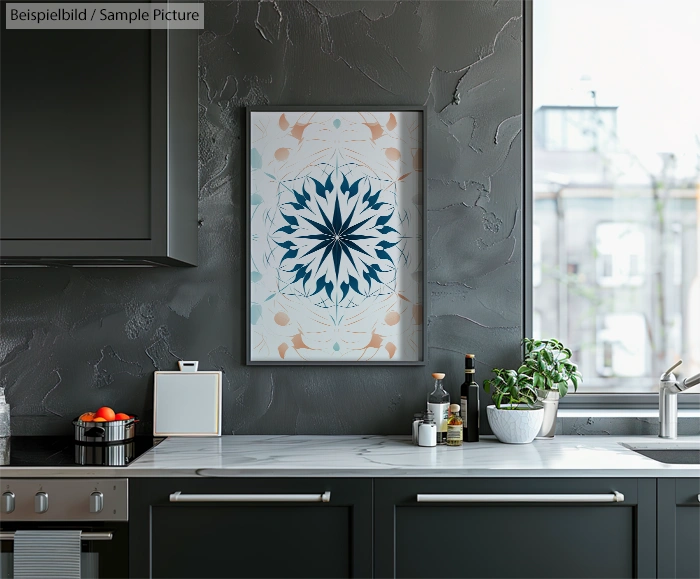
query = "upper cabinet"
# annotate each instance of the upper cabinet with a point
(98, 147)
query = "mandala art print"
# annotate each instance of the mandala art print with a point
(336, 236)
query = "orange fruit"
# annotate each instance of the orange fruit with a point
(99, 419)
(121, 416)
(105, 412)
(86, 417)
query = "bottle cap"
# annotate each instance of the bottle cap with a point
(454, 408)
(438, 375)
(469, 363)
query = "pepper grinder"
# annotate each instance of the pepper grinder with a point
(427, 432)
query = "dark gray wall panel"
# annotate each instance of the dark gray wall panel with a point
(75, 339)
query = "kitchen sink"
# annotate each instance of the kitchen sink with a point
(668, 452)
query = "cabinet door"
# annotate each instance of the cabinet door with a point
(99, 155)
(216, 529)
(465, 528)
(679, 528)
(78, 161)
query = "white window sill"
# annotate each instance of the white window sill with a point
(622, 413)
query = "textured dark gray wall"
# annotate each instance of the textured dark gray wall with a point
(73, 340)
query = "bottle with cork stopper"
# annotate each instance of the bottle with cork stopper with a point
(439, 405)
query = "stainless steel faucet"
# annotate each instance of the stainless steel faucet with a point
(669, 387)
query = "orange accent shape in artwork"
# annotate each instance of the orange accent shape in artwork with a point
(403, 177)
(298, 131)
(418, 314)
(284, 123)
(391, 123)
(391, 349)
(376, 129)
(282, 154)
(375, 341)
(282, 349)
(392, 318)
(281, 319)
(418, 159)
(298, 342)
(392, 154)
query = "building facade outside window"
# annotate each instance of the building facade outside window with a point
(616, 187)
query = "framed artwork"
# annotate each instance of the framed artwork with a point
(336, 235)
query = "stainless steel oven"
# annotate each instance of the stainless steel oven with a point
(98, 508)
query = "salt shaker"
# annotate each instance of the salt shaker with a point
(417, 419)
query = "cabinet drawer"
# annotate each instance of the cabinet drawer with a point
(563, 528)
(251, 528)
(679, 528)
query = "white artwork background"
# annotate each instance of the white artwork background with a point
(336, 236)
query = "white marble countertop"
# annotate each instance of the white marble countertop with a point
(386, 456)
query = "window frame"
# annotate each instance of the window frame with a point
(580, 400)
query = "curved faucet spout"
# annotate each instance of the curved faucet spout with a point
(690, 382)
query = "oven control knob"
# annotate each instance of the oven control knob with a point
(8, 502)
(41, 502)
(97, 502)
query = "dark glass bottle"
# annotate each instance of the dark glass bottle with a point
(469, 399)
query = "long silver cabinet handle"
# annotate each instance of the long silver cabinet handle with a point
(178, 497)
(613, 497)
(84, 536)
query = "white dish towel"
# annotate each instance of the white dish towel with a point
(47, 554)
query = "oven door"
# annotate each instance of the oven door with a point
(104, 547)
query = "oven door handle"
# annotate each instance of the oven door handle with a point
(84, 536)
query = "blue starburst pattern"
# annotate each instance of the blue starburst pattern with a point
(336, 242)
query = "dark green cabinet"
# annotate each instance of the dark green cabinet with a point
(237, 527)
(99, 146)
(414, 527)
(678, 528)
(545, 528)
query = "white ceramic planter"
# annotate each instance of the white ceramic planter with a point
(550, 401)
(515, 426)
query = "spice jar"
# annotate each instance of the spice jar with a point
(455, 429)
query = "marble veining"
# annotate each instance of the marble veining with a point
(385, 456)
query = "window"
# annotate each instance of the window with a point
(620, 254)
(621, 347)
(616, 187)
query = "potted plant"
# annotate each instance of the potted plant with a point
(549, 365)
(516, 414)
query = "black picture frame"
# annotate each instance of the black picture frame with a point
(249, 112)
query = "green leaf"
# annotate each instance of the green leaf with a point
(538, 381)
(547, 355)
(563, 389)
